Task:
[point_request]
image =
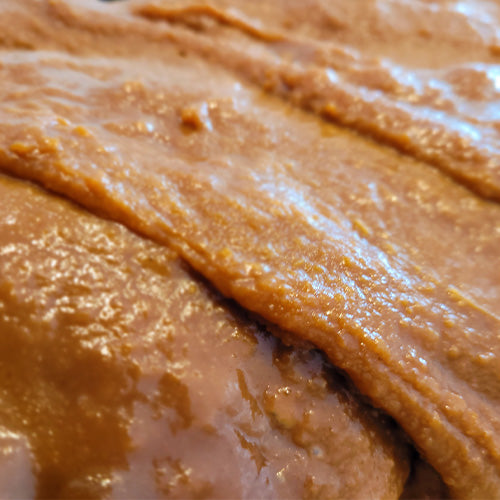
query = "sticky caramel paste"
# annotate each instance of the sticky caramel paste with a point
(125, 376)
(263, 142)
(420, 76)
